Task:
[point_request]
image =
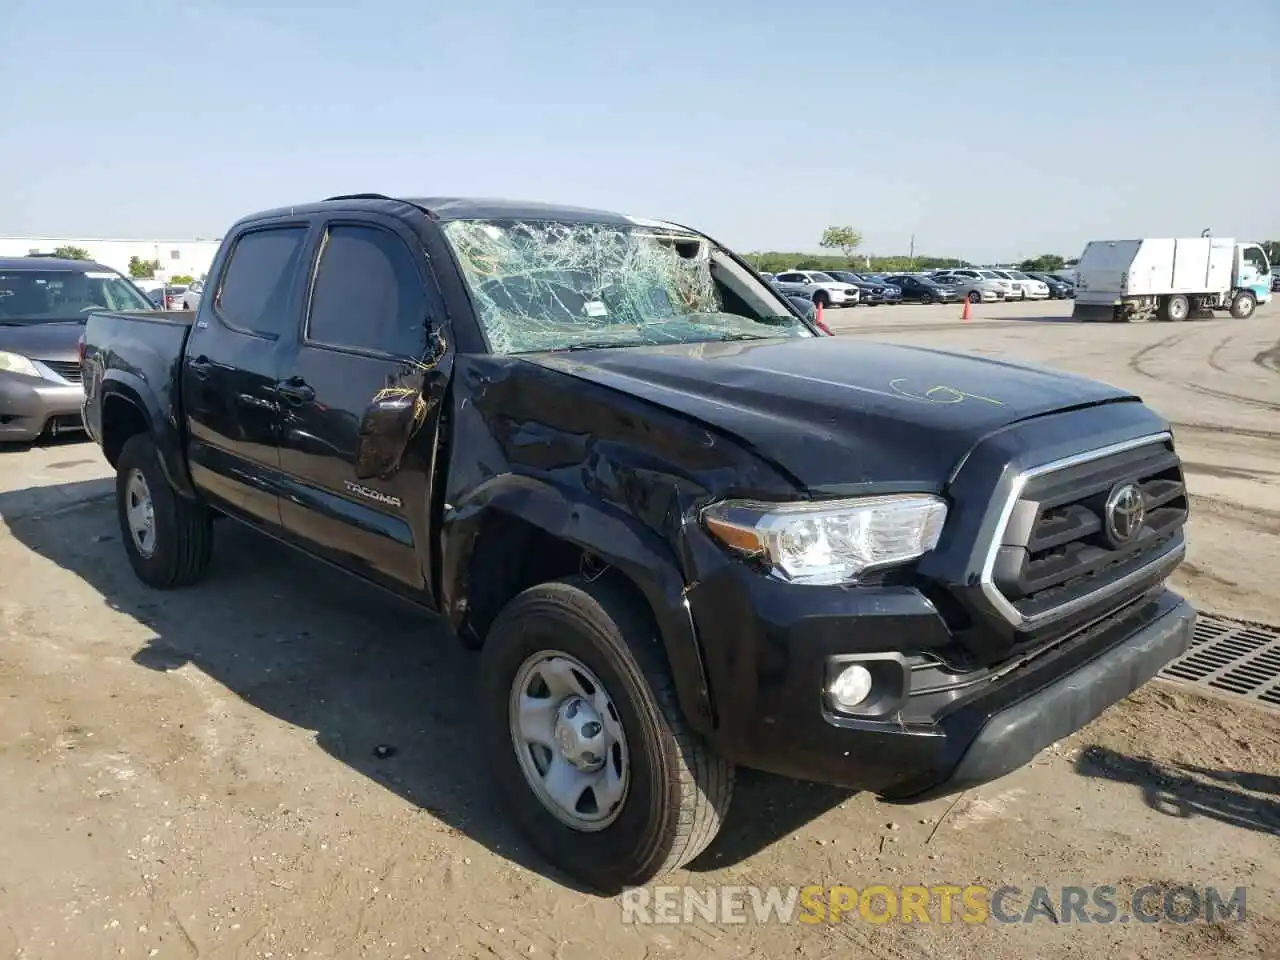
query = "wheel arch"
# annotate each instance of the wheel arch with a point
(517, 531)
(129, 408)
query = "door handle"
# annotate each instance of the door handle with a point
(200, 367)
(296, 391)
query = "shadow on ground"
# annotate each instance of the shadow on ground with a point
(1247, 800)
(364, 670)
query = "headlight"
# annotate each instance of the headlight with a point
(17, 363)
(829, 541)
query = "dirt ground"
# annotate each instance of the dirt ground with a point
(198, 774)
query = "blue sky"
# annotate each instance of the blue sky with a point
(986, 129)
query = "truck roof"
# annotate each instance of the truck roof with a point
(461, 208)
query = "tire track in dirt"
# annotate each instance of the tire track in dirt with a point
(1136, 364)
(1214, 430)
(1213, 355)
(1269, 359)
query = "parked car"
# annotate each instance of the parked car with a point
(167, 297)
(1007, 288)
(684, 530)
(191, 296)
(822, 289)
(871, 292)
(44, 303)
(975, 291)
(1032, 289)
(923, 290)
(1059, 289)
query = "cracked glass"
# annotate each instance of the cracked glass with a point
(542, 285)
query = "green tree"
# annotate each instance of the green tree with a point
(141, 269)
(182, 279)
(844, 239)
(68, 252)
(1045, 263)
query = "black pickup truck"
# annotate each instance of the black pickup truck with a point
(684, 527)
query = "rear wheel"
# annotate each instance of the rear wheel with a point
(821, 299)
(1177, 308)
(1243, 305)
(168, 539)
(586, 740)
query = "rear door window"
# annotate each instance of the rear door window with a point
(255, 291)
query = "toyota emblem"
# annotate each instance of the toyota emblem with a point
(1126, 511)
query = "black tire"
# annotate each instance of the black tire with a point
(183, 530)
(926, 298)
(679, 789)
(1176, 308)
(1243, 305)
(820, 299)
(975, 296)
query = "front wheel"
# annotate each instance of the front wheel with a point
(1243, 305)
(168, 539)
(586, 740)
(975, 296)
(1177, 308)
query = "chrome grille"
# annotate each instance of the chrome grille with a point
(1056, 550)
(68, 370)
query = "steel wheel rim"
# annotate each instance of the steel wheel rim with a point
(562, 719)
(140, 513)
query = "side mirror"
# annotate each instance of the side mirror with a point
(388, 424)
(805, 306)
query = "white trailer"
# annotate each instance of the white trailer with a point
(1168, 279)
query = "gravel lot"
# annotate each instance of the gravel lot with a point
(194, 774)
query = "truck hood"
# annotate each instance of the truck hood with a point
(836, 413)
(43, 341)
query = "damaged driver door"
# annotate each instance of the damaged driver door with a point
(360, 402)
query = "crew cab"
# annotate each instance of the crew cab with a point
(684, 529)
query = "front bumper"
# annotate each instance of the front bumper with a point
(30, 406)
(768, 647)
(1014, 734)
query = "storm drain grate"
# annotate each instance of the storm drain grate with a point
(1232, 657)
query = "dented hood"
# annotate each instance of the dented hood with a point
(837, 412)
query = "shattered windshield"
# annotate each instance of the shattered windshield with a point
(550, 285)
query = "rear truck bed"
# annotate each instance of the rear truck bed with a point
(130, 366)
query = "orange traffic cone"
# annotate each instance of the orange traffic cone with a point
(967, 310)
(817, 318)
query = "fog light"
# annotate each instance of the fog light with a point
(851, 686)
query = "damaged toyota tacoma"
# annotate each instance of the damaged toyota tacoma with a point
(685, 528)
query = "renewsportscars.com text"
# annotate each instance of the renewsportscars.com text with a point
(936, 903)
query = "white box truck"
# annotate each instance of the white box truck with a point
(1167, 279)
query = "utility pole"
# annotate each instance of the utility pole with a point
(912, 256)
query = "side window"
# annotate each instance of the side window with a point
(254, 293)
(368, 293)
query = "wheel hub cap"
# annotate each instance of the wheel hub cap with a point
(569, 740)
(580, 734)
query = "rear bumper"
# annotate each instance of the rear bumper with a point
(28, 406)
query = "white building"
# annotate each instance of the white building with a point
(177, 258)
